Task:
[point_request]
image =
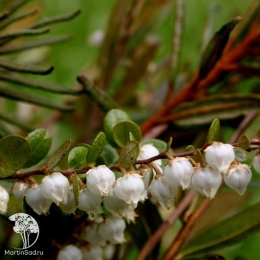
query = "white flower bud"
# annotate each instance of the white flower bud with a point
(92, 236)
(147, 151)
(119, 207)
(112, 230)
(219, 156)
(100, 180)
(256, 163)
(94, 252)
(238, 177)
(163, 192)
(206, 181)
(179, 172)
(4, 198)
(90, 203)
(70, 252)
(130, 188)
(19, 188)
(70, 206)
(37, 201)
(55, 187)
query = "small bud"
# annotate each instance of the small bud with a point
(90, 203)
(19, 188)
(206, 181)
(70, 206)
(55, 187)
(238, 177)
(163, 192)
(4, 198)
(69, 252)
(130, 188)
(112, 230)
(219, 156)
(147, 151)
(179, 172)
(100, 180)
(36, 200)
(256, 163)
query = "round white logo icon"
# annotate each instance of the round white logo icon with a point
(27, 227)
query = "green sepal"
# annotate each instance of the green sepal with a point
(76, 188)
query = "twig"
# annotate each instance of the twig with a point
(154, 239)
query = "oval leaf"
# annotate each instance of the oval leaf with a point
(213, 130)
(58, 155)
(159, 144)
(96, 148)
(124, 130)
(243, 142)
(129, 154)
(240, 154)
(14, 153)
(77, 157)
(113, 117)
(40, 142)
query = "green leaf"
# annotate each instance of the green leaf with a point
(129, 154)
(77, 157)
(240, 154)
(40, 142)
(14, 153)
(234, 228)
(109, 155)
(58, 155)
(96, 148)
(113, 117)
(190, 148)
(215, 47)
(159, 144)
(76, 188)
(123, 130)
(222, 106)
(213, 130)
(243, 142)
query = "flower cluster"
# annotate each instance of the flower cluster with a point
(120, 196)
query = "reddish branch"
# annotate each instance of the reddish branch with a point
(232, 54)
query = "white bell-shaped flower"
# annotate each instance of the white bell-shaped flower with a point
(220, 156)
(37, 201)
(112, 230)
(69, 252)
(256, 163)
(163, 192)
(90, 203)
(19, 188)
(70, 206)
(55, 187)
(206, 181)
(4, 198)
(119, 207)
(147, 151)
(93, 253)
(238, 177)
(100, 180)
(130, 188)
(91, 234)
(179, 172)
